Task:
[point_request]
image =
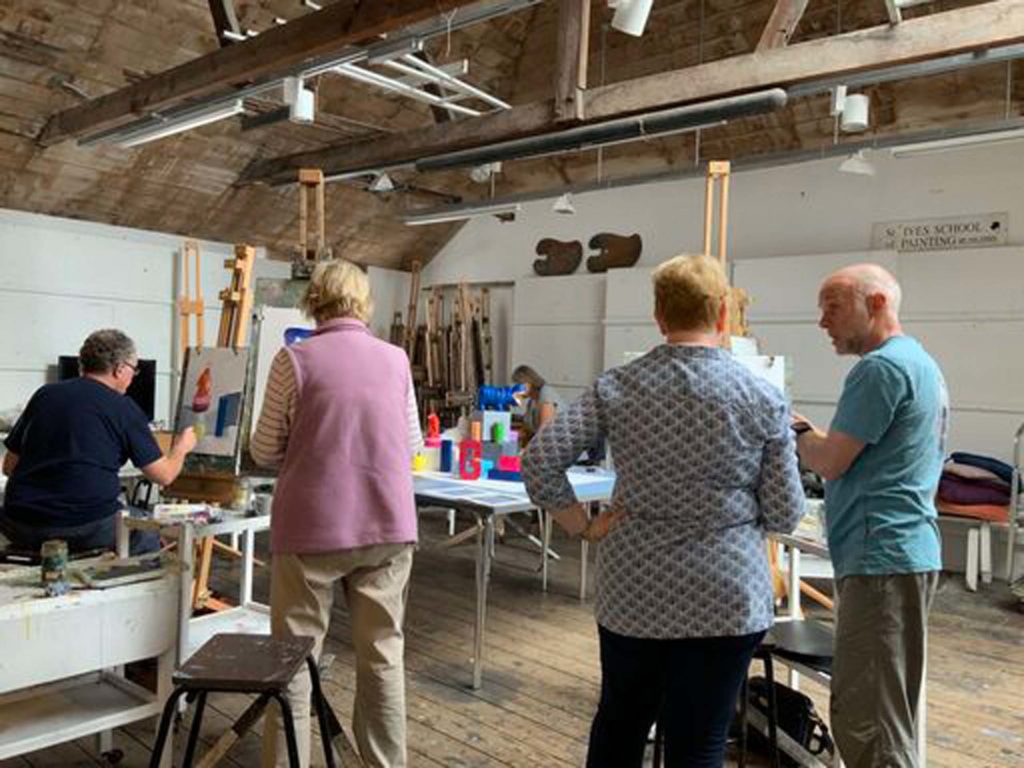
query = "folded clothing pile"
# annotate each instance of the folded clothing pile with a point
(975, 486)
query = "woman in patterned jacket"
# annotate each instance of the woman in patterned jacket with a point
(706, 466)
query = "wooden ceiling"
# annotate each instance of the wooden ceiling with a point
(55, 54)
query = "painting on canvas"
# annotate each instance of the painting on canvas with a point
(211, 400)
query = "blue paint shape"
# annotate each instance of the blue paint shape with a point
(227, 412)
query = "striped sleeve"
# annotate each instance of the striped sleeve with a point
(270, 439)
(412, 415)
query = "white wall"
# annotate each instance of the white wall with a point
(966, 307)
(558, 327)
(793, 210)
(61, 279)
(966, 304)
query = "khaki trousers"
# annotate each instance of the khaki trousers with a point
(375, 581)
(880, 649)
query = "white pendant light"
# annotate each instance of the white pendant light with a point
(855, 113)
(564, 205)
(857, 164)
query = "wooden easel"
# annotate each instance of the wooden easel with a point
(409, 341)
(311, 185)
(236, 308)
(719, 171)
(190, 304)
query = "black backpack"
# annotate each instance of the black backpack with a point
(795, 715)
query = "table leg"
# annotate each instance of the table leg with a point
(104, 742)
(793, 597)
(485, 543)
(164, 670)
(186, 559)
(793, 600)
(545, 526)
(584, 554)
(245, 583)
(922, 713)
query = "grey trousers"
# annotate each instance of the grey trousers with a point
(880, 649)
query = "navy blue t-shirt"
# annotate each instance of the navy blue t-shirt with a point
(72, 440)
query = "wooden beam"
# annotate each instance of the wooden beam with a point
(781, 24)
(224, 20)
(966, 29)
(273, 53)
(573, 50)
(441, 115)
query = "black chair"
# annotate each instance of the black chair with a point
(239, 663)
(806, 644)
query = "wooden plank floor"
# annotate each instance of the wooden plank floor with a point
(542, 672)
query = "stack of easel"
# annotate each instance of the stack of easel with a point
(236, 309)
(451, 353)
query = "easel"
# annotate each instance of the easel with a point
(188, 304)
(311, 184)
(719, 171)
(236, 308)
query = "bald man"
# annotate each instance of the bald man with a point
(881, 459)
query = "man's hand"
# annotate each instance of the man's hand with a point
(166, 469)
(185, 441)
(798, 418)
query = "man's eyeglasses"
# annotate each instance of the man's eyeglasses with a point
(135, 369)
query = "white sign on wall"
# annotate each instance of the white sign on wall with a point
(946, 234)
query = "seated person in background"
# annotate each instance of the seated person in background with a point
(540, 401)
(65, 452)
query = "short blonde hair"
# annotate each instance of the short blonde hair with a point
(688, 292)
(338, 288)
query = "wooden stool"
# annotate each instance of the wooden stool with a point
(238, 663)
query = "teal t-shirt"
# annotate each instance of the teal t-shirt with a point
(881, 513)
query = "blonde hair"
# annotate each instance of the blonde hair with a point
(338, 288)
(688, 292)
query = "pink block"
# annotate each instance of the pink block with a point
(509, 464)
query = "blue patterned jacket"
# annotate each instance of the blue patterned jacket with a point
(706, 465)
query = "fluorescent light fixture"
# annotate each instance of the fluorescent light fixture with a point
(179, 125)
(857, 164)
(957, 142)
(460, 213)
(631, 16)
(564, 205)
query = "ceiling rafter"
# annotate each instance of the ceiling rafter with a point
(975, 28)
(781, 24)
(270, 55)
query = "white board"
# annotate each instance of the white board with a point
(272, 323)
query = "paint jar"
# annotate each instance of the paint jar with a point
(242, 497)
(54, 567)
(262, 504)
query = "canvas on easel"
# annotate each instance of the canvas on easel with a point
(212, 402)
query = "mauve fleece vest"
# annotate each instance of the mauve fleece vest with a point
(346, 479)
